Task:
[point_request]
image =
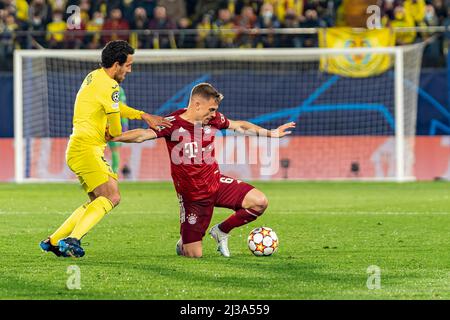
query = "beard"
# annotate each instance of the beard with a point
(118, 80)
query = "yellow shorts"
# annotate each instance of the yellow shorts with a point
(90, 166)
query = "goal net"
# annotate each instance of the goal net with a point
(347, 128)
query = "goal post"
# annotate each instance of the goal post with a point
(18, 120)
(399, 117)
(347, 128)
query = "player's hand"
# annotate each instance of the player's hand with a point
(283, 130)
(108, 137)
(156, 122)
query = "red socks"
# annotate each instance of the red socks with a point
(239, 218)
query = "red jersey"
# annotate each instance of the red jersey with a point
(194, 169)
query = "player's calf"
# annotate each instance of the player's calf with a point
(115, 199)
(253, 206)
(109, 190)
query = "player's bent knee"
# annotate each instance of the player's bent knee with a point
(264, 202)
(192, 255)
(192, 250)
(260, 203)
(256, 200)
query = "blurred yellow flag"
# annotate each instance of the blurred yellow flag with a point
(356, 65)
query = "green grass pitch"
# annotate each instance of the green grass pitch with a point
(330, 233)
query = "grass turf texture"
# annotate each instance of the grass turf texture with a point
(329, 234)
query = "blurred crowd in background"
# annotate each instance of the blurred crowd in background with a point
(85, 24)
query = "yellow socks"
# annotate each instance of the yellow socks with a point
(82, 220)
(66, 228)
(95, 211)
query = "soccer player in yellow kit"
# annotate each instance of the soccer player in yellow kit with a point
(97, 107)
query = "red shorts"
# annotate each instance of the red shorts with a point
(195, 216)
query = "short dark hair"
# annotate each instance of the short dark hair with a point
(207, 91)
(116, 51)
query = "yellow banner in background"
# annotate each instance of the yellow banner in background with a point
(356, 65)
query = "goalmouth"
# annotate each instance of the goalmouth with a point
(347, 128)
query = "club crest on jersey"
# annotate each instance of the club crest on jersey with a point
(207, 129)
(115, 96)
(192, 218)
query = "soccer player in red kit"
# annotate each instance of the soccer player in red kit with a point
(198, 182)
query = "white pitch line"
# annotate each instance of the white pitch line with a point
(276, 213)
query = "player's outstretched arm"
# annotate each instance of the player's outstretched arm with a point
(251, 129)
(136, 135)
(153, 121)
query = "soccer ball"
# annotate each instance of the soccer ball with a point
(262, 241)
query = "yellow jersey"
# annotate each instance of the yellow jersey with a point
(97, 98)
(56, 31)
